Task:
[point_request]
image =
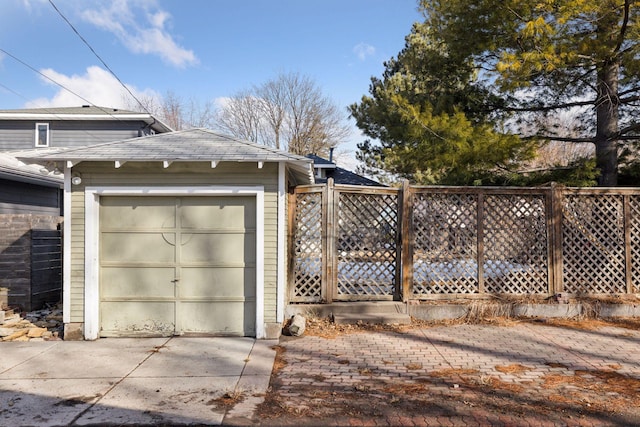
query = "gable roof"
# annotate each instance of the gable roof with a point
(193, 145)
(85, 112)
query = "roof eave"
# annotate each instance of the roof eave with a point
(46, 181)
(302, 168)
(154, 123)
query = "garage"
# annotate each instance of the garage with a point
(179, 233)
(177, 266)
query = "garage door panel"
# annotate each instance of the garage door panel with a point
(136, 282)
(136, 318)
(204, 284)
(217, 213)
(223, 248)
(138, 213)
(137, 247)
(217, 282)
(223, 318)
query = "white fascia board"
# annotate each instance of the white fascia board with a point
(281, 243)
(54, 117)
(66, 248)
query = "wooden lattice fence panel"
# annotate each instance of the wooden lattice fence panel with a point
(461, 242)
(593, 244)
(366, 245)
(515, 244)
(307, 248)
(634, 225)
(445, 244)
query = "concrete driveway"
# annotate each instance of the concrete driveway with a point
(142, 381)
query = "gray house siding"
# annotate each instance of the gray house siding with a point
(20, 134)
(23, 198)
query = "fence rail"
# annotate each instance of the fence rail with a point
(363, 243)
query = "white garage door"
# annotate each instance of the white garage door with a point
(177, 265)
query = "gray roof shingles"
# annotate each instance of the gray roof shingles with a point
(187, 145)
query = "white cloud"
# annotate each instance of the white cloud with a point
(30, 6)
(142, 28)
(363, 50)
(97, 86)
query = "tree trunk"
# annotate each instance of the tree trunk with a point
(607, 103)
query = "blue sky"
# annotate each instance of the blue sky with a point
(198, 49)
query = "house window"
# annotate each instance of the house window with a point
(42, 134)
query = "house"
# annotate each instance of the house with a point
(175, 233)
(31, 207)
(72, 126)
(324, 169)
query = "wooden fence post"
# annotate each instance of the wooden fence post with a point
(555, 239)
(405, 242)
(292, 206)
(627, 244)
(329, 226)
(480, 243)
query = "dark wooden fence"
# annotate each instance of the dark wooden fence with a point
(46, 267)
(419, 243)
(31, 259)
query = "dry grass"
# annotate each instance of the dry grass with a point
(602, 390)
(325, 328)
(228, 399)
(590, 324)
(513, 369)
(453, 372)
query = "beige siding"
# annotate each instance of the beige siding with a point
(177, 174)
(77, 255)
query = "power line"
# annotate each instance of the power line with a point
(98, 56)
(45, 76)
(55, 114)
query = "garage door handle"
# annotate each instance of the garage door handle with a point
(175, 280)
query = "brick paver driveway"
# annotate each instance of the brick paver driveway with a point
(519, 374)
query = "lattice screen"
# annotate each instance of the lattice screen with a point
(445, 244)
(515, 244)
(634, 205)
(307, 248)
(366, 245)
(593, 244)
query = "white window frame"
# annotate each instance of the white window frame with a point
(37, 140)
(92, 234)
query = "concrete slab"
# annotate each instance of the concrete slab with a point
(47, 402)
(158, 401)
(16, 353)
(547, 310)
(620, 310)
(438, 312)
(197, 357)
(137, 381)
(106, 358)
